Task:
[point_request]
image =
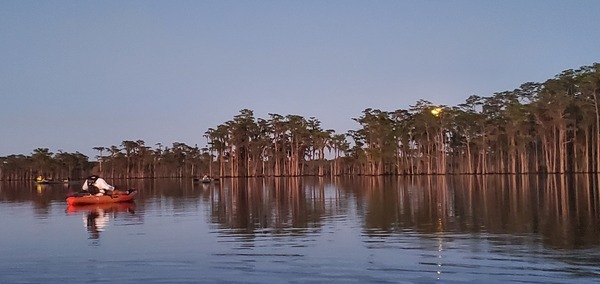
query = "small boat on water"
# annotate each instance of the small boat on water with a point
(42, 180)
(206, 179)
(47, 181)
(87, 199)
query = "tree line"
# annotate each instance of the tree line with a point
(549, 127)
(131, 159)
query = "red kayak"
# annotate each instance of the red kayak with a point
(92, 199)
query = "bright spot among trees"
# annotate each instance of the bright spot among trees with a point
(436, 111)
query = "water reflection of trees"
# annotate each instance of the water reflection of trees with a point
(40, 196)
(278, 205)
(563, 210)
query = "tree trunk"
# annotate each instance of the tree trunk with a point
(597, 155)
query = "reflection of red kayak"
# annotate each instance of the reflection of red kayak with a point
(107, 207)
(91, 199)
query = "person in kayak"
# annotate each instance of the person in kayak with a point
(96, 185)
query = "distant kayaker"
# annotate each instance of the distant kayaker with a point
(96, 185)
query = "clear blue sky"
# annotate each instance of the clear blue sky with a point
(80, 74)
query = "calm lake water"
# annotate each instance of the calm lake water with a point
(308, 230)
